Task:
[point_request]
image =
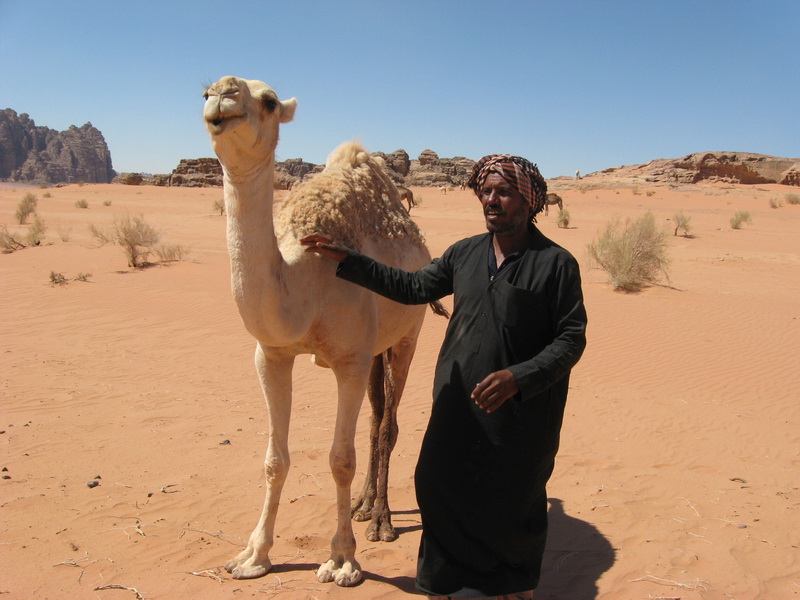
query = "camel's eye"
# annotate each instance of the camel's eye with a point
(205, 95)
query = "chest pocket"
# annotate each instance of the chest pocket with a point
(517, 307)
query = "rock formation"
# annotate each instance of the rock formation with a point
(729, 167)
(42, 155)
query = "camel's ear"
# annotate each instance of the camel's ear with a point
(287, 109)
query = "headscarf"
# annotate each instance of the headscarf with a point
(517, 171)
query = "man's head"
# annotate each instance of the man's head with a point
(499, 180)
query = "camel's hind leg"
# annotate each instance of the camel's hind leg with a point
(276, 381)
(387, 381)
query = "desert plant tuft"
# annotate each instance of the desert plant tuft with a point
(57, 278)
(7, 240)
(25, 208)
(741, 216)
(134, 234)
(563, 218)
(36, 231)
(792, 198)
(633, 254)
(775, 202)
(682, 221)
(219, 206)
(81, 204)
(82, 276)
(171, 252)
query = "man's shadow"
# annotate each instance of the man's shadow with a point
(575, 557)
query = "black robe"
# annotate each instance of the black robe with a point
(480, 478)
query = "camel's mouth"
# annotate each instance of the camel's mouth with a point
(219, 123)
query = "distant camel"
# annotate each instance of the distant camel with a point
(443, 189)
(553, 199)
(407, 195)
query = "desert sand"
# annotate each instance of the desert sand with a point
(678, 475)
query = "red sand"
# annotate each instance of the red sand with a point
(677, 476)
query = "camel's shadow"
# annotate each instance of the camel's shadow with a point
(577, 554)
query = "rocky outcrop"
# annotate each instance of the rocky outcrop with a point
(37, 154)
(729, 167)
(431, 171)
(193, 172)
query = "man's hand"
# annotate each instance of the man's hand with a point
(494, 390)
(322, 244)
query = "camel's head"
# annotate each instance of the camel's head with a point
(245, 114)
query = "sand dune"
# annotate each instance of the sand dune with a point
(677, 477)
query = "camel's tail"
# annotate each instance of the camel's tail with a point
(439, 309)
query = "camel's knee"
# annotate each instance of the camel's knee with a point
(343, 467)
(276, 468)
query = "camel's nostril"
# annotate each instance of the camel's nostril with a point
(216, 121)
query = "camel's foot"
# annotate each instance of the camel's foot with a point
(247, 565)
(344, 574)
(381, 530)
(361, 508)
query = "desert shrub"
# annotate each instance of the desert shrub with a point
(82, 276)
(633, 253)
(171, 252)
(136, 237)
(741, 216)
(7, 240)
(563, 218)
(25, 208)
(106, 202)
(36, 231)
(775, 202)
(792, 198)
(64, 233)
(650, 193)
(81, 204)
(47, 195)
(681, 221)
(219, 206)
(57, 278)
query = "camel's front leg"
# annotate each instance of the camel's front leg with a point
(275, 374)
(342, 566)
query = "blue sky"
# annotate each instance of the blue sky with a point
(567, 84)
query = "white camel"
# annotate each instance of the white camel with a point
(292, 302)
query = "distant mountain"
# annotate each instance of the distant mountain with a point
(36, 154)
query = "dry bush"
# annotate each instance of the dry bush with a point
(171, 252)
(36, 231)
(64, 232)
(219, 206)
(792, 198)
(25, 208)
(8, 242)
(81, 204)
(633, 254)
(741, 216)
(682, 221)
(563, 218)
(775, 202)
(57, 278)
(136, 237)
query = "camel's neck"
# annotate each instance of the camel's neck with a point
(256, 262)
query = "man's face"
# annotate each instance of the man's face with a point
(504, 208)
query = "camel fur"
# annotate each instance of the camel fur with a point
(292, 303)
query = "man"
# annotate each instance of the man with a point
(517, 329)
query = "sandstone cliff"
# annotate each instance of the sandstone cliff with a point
(38, 154)
(730, 167)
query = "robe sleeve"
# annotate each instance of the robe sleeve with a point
(432, 282)
(568, 320)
